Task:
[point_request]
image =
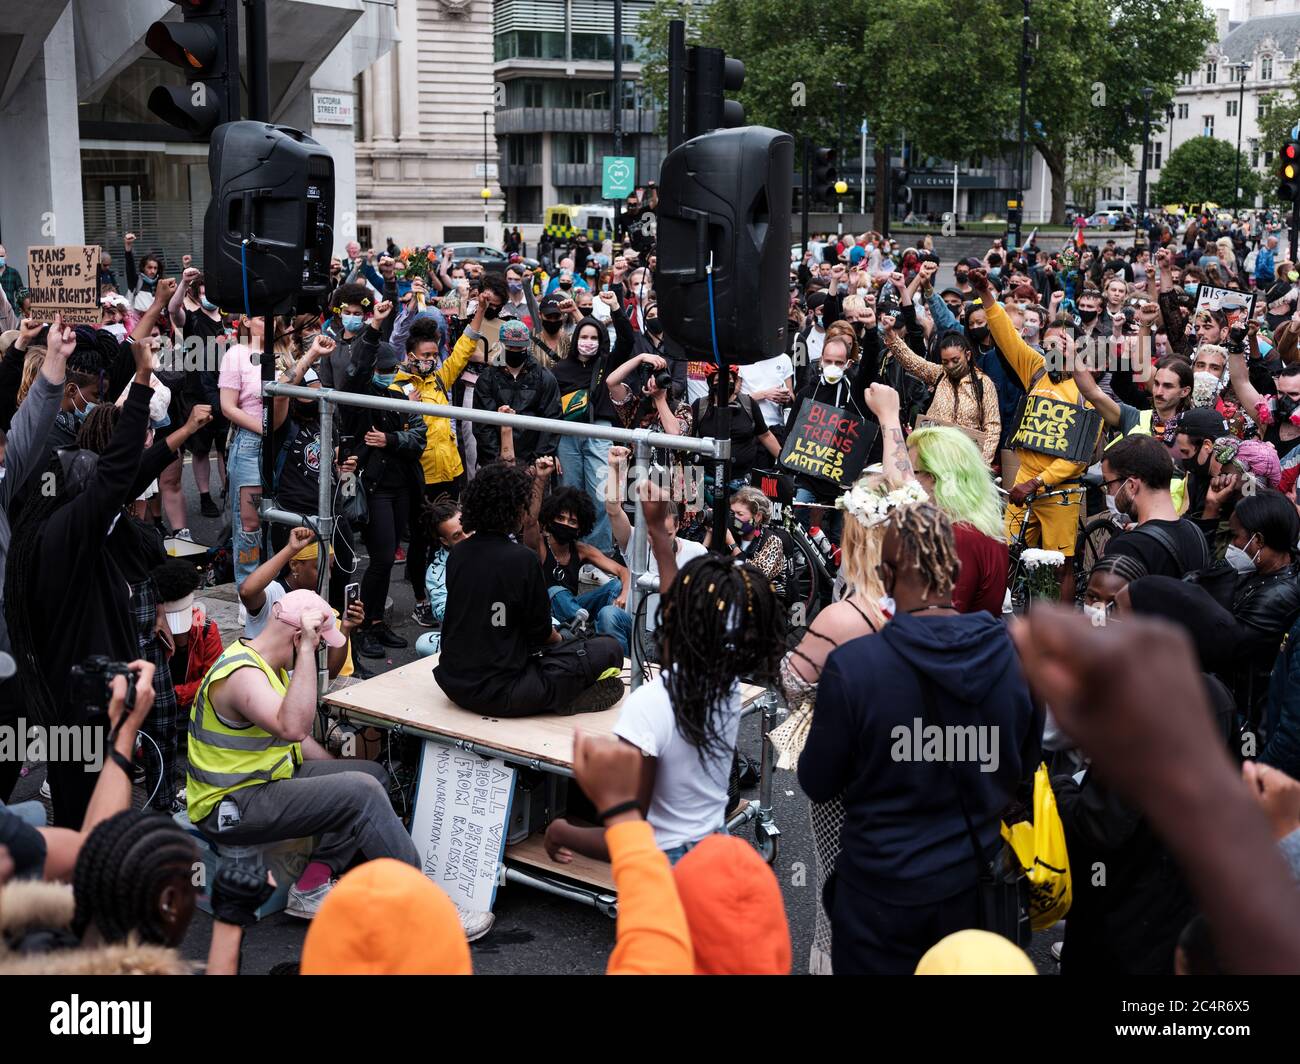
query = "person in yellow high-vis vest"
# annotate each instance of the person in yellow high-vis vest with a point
(255, 774)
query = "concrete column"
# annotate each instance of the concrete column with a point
(382, 73)
(408, 83)
(41, 204)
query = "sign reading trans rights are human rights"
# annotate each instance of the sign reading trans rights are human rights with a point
(1056, 427)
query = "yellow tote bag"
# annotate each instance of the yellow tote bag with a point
(1040, 847)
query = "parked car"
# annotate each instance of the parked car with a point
(484, 253)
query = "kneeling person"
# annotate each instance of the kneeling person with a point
(500, 653)
(255, 773)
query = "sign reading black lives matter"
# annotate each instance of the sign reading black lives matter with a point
(1056, 427)
(64, 279)
(828, 443)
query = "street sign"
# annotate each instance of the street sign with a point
(485, 169)
(618, 176)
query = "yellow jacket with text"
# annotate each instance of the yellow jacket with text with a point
(1029, 364)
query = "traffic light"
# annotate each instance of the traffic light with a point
(710, 75)
(206, 47)
(824, 175)
(898, 184)
(1289, 189)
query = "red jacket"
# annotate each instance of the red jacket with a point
(205, 648)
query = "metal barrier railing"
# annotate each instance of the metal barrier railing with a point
(323, 523)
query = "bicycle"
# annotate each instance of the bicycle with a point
(810, 568)
(1090, 543)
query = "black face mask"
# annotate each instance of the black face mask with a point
(562, 533)
(963, 277)
(979, 335)
(1086, 316)
(551, 326)
(1286, 406)
(566, 285)
(515, 359)
(491, 313)
(654, 326)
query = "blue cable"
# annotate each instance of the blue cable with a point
(713, 321)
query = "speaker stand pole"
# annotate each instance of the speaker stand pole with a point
(259, 69)
(803, 203)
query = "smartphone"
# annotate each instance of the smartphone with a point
(351, 594)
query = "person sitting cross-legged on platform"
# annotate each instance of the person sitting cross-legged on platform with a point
(257, 776)
(500, 653)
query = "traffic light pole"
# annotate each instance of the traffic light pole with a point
(803, 200)
(617, 115)
(676, 82)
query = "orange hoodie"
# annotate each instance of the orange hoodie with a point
(653, 936)
(734, 906)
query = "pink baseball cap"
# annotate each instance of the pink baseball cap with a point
(291, 608)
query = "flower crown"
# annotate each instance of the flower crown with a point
(872, 505)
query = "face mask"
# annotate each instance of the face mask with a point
(962, 276)
(3, 263)
(491, 313)
(203, 302)
(995, 271)
(384, 380)
(862, 292)
(551, 327)
(515, 286)
(1030, 332)
(353, 323)
(587, 348)
(1191, 289)
(562, 533)
(147, 281)
(1124, 504)
(1086, 316)
(654, 326)
(955, 373)
(566, 284)
(979, 335)
(832, 374)
(1285, 406)
(515, 359)
(1096, 614)
(742, 528)
(1239, 559)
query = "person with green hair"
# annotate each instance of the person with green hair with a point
(951, 469)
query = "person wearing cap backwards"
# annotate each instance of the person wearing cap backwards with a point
(256, 775)
(520, 385)
(387, 445)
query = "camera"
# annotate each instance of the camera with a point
(90, 685)
(663, 378)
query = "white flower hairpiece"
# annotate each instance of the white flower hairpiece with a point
(872, 505)
(1036, 556)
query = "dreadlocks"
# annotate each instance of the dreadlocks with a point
(97, 430)
(718, 620)
(926, 543)
(122, 871)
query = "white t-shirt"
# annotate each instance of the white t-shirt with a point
(816, 337)
(770, 373)
(255, 622)
(686, 550)
(690, 797)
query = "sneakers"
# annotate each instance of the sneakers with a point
(589, 574)
(365, 644)
(305, 904)
(183, 533)
(388, 637)
(423, 614)
(475, 925)
(207, 507)
(1056, 951)
(601, 695)
(45, 790)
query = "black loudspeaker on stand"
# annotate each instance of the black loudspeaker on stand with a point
(268, 233)
(726, 195)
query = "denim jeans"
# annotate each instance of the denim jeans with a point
(584, 463)
(599, 604)
(244, 469)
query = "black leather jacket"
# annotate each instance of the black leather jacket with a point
(534, 392)
(1265, 606)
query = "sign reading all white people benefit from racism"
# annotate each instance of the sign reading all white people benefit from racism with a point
(1057, 427)
(64, 279)
(462, 807)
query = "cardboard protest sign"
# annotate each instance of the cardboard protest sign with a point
(828, 443)
(64, 279)
(1239, 306)
(1056, 427)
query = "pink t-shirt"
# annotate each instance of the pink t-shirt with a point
(241, 373)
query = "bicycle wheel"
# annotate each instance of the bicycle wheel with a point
(1090, 548)
(803, 593)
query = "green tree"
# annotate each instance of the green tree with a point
(1092, 61)
(1281, 114)
(1204, 170)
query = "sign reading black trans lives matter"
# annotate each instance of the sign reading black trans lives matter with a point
(828, 443)
(1056, 427)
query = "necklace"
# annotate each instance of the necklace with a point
(933, 606)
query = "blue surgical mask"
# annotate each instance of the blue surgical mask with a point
(384, 380)
(995, 271)
(205, 304)
(515, 286)
(353, 323)
(2, 262)
(84, 412)
(1191, 288)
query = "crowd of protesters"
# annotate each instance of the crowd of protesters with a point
(1161, 711)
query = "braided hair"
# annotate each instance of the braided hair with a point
(122, 871)
(926, 543)
(1123, 566)
(97, 430)
(719, 620)
(959, 340)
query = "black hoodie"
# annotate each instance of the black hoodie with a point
(573, 373)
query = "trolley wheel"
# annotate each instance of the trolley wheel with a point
(769, 846)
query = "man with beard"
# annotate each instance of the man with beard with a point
(1136, 473)
(1053, 525)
